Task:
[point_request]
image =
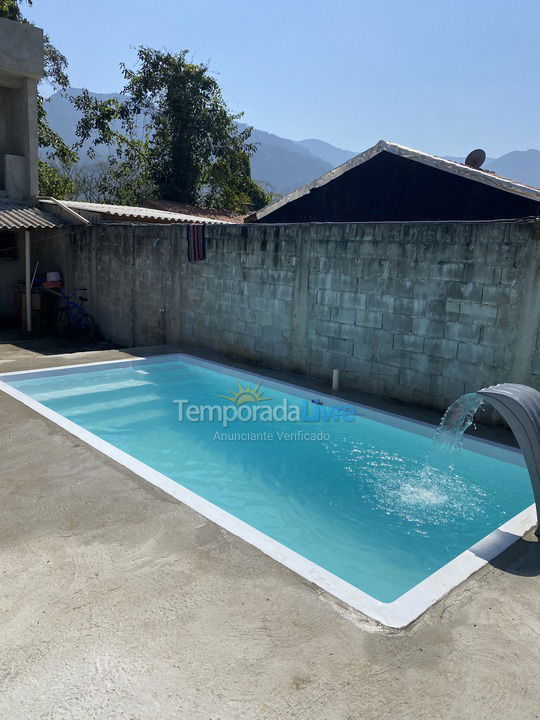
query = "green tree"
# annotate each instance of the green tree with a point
(11, 10)
(193, 151)
(54, 171)
(122, 179)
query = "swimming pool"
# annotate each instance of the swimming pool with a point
(332, 490)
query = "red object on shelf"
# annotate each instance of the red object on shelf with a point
(49, 285)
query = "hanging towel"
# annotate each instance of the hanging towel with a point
(196, 243)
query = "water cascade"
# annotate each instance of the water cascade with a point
(449, 436)
(519, 405)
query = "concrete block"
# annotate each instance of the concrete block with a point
(496, 295)
(284, 292)
(340, 345)
(410, 306)
(351, 300)
(362, 351)
(252, 328)
(426, 363)
(381, 302)
(372, 284)
(282, 321)
(480, 274)
(349, 332)
(334, 359)
(503, 359)
(397, 323)
(360, 301)
(437, 309)
(510, 275)
(464, 332)
(412, 378)
(477, 311)
(409, 394)
(461, 370)
(372, 385)
(322, 312)
(263, 344)
(446, 271)
(501, 253)
(397, 358)
(329, 297)
(343, 315)
(475, 353)
(256, 302)
(376, 337)
(408, 341)
(428, 327)
(358, 366)
(427, 289)
(369, 318)
(452, 309)
(319, 281)
(328, 328)
(497, 337)
(381, 267)
(399, 287)
(464, 291)
(343, 283)
(449, 387)
(440, 347)
(384, 370)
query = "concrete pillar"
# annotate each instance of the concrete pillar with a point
(28, 280)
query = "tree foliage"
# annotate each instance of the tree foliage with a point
(193, 151)
(11, 9)
(122, 179)
(55, 170)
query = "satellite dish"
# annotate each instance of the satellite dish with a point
(475, 159)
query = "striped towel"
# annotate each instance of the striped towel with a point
(196, 243)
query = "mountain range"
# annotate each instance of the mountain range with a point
(282, 165)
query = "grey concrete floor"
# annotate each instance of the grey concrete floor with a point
(116, 601)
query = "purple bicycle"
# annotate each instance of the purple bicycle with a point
(72, 318)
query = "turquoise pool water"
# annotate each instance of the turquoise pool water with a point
(353, 499)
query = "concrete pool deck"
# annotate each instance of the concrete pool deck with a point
(118, 601)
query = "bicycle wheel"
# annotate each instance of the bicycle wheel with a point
(62, 324)
(86, 326)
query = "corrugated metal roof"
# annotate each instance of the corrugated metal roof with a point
(200, 212)
(481, 176)
(140, 214)
(17, 216)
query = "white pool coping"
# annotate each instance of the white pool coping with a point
(397, 614)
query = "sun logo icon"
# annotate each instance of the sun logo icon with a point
(246, 394)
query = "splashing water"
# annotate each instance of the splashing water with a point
(432, 491)
(436, 475)
(448, 438)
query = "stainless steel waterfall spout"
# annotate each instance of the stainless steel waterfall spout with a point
(519, 405)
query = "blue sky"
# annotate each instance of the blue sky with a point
(442, 76)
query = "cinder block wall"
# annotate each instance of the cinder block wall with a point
(419, 312)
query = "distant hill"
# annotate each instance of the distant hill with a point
(333, 155)
(282, 165)
(522, 165)
(63, 118)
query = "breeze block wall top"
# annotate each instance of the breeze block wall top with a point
(419, 312)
